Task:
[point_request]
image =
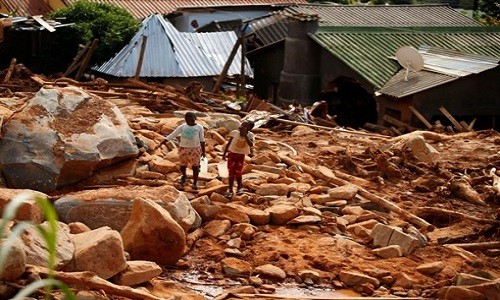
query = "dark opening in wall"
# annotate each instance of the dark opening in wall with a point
(352, 105)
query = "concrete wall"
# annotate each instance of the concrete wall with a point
(300, 79)
(268, 65)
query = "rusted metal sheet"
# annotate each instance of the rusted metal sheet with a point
(21, 8)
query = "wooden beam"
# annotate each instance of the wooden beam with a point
(420, 117)
(86, 59)
(10, 70)
(393, 121)
(471, 125)
(333, 129)
(76, 61)
(89, 280)
(464, 125)
(226, 66)
(477, 246)
(44, 24)
(451, 213)
(451, 118)
(141, 57)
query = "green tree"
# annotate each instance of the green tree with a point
(490, 12)
(113, 26)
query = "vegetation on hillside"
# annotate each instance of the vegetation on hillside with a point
(113, 26)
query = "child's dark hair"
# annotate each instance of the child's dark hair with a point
(190, 115)
(251, 124)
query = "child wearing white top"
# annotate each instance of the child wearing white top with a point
(240, 144)
(191, 146)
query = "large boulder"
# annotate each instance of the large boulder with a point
(151, 234)
(36, 248)
(61, 137)
(99, 251)
(113, 206)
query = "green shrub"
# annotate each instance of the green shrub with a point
(49, 235)
(113, 26)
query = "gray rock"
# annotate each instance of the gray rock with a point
(60, 138)
(112, 206)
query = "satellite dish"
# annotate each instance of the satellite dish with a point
(409, 58)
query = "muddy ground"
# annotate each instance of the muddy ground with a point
(294, 249)
(328, 248)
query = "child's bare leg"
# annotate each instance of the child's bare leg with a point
(183, 172)
(196, 169)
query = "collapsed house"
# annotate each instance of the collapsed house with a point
(160, 53)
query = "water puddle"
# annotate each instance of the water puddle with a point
(211, 288)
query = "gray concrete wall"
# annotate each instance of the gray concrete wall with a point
(267, 71)
(300, 79)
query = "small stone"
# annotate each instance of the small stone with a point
(255, 281)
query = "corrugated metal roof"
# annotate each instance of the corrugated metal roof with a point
(271, 29)
(217, 46)
(417, 82)
(169, 53)
(385, 15)
(22, 8)
(440, 66)
(368, 52)
(143, 8)
(455, 63)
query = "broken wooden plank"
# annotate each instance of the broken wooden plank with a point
(44, 24)
(91, 281)
(451, 118)
(76, 60)
(394, 121)
(10, 70)
(477, 246)
(471, 125)
(228, 63)
(333, 129)
(446, 212)
(86, 59)
(420, 117)
(181, 101)
(464, 125)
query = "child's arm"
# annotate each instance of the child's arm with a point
(171, 136)
(202, 141)
(202, 144)
(249, 141)
(227, 147)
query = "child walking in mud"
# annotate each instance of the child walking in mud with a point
(240, 144)
(191, 146)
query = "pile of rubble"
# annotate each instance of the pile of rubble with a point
(325, 208)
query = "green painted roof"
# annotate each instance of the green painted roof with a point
(368, 50)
